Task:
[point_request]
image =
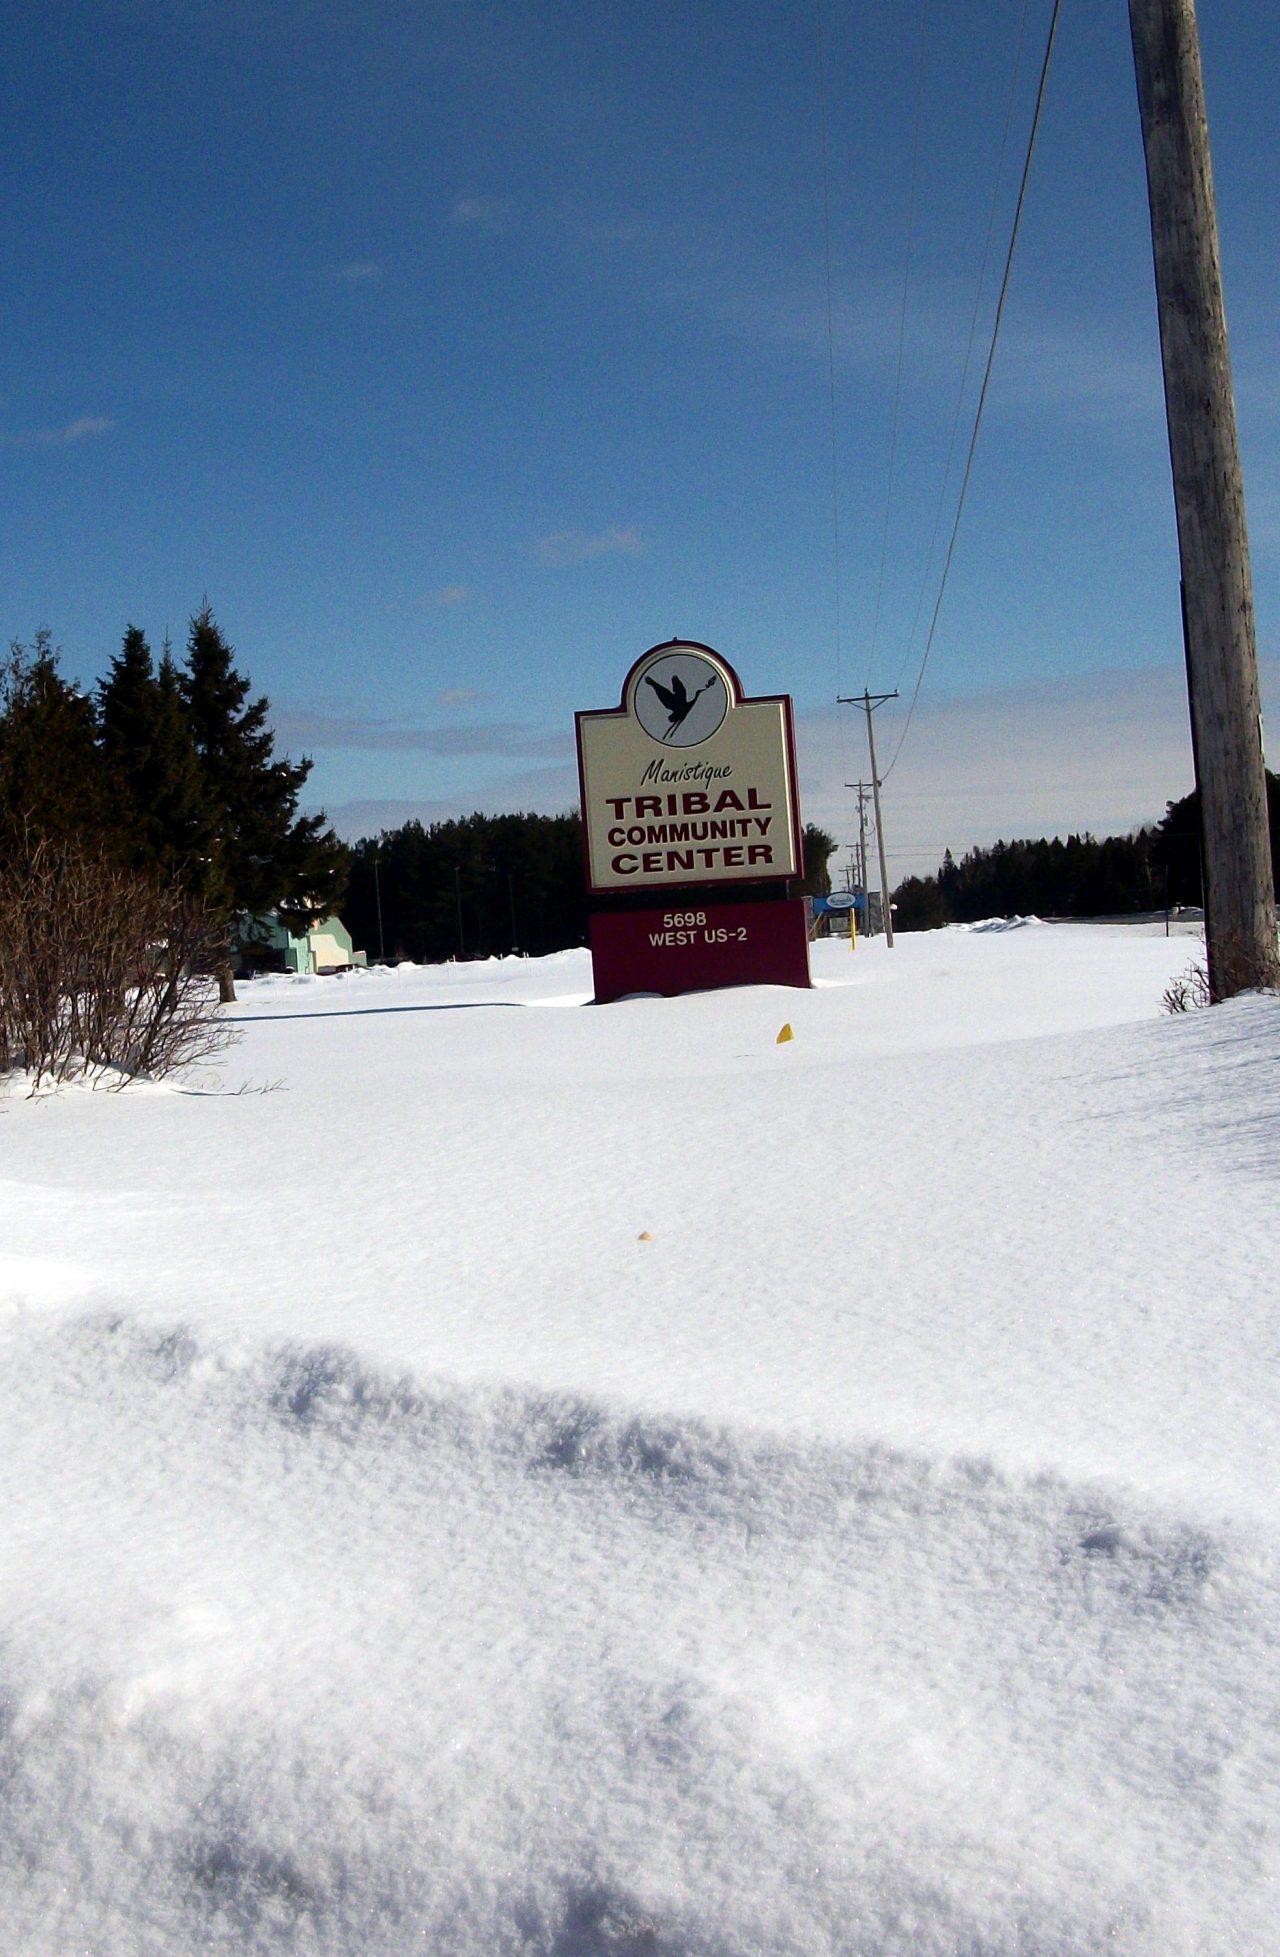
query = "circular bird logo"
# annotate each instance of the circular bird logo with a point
(681, 699)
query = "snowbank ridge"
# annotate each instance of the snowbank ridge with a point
(317, 1658)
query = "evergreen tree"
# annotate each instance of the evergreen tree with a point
(126, 697)
(818, 848)
(918, 905)
(180, 833)
(262, 856)
(151, 763)
(52, 783)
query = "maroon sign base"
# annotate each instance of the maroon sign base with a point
(690, 947)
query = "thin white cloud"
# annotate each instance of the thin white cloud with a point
(458, 696)
(450, 594)
(84, 428)
(559, 224)
(370, 817)
(302, 730)
(546, 791)
(360, 271)
(491, 214)
(1101, 752)
(565, 547)
(1096, 366)
(77, 431)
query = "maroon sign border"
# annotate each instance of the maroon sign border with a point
(740, 699)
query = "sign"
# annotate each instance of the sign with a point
(689, 947)
(690, 828)
(687, 782)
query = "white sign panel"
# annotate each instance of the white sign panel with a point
(688, 782)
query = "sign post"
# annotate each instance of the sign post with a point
(691, 829)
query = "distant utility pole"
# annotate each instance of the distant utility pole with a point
(377, 893)
(862, 790)
(869, 702)
(1208, 491)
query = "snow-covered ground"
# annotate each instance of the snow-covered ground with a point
(487, 1474)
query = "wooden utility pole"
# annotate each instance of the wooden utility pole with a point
(869, 702)
(862, 790)
(1222, 662)
(377, 894)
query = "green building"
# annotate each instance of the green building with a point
(266, 944)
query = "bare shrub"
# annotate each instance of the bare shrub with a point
(1189, 991)
(101, 970)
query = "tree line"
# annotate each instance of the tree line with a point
(480, 886)
(137, 824)
(167, 774)
(1084, 876)
(474, 887)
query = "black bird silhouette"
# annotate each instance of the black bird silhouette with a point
(676, 698)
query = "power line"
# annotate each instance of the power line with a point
(902, 339)
(820, 30)
(831, 349)
(986, 380)
(973, 334)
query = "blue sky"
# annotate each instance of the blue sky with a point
(460, 352)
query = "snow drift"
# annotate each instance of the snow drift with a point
(400, 1554)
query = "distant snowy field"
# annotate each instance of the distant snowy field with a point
(485, 1474)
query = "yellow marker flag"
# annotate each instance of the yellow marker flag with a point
(785, 1034)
